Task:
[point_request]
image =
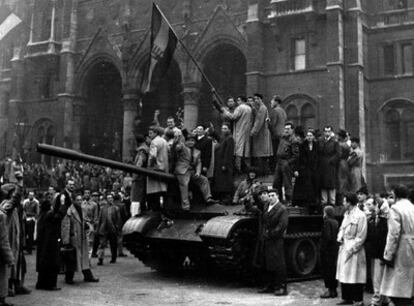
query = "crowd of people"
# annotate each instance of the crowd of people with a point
(320, 171)
(69, 228)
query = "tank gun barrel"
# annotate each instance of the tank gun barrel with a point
(77, 156)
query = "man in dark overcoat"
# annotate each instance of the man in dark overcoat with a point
(274, 226)
(48, 252)
(223, 165)
(329, 252)
(328, 165)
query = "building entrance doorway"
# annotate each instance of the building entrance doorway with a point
(102, 120)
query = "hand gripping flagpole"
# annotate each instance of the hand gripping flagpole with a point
(218, 104)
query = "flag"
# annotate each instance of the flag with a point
(9, 24)
(163, 44)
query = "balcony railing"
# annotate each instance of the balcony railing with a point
(282, 8)
(393, 18)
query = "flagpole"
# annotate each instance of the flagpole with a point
(192, 57)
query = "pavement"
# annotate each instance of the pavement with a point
(129, 282)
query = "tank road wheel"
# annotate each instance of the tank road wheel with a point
(303, 256)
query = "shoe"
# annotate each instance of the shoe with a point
(329, 294)
(122, 255)
(326, 295)
(22, 290)
(100, 262)
(11, 293)
(267, 289)
(345, 302)
(282, 291)
(113, 261)
(91, 280)
(69, 282)
(211, 201)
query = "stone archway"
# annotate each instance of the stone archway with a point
(102, 113)
(167, 98)
(225, 66)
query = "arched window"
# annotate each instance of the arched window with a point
(399, 130)
(308, 117)
(301, 110)
(292, 114)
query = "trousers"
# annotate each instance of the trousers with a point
(328, 196)
(113, 245)
(189, 177)
(377, 270)
(283, 178)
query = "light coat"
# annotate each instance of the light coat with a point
(73, 233)
(277, 116)
(351, 266)
(262, 142)
(158, 160)
(399, 280)
(243, 118)
(6, 254)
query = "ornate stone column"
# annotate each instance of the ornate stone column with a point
(130, 102)
(191, 94)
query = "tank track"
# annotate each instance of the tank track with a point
(235, 253)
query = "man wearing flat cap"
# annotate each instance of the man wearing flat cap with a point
(275, 222)
(188, 170)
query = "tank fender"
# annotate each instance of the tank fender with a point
(221, 227)
(141, 224)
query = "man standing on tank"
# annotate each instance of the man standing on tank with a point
(275, 222)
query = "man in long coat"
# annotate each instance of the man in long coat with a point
(262, 141)
(242, 116)
(277, 120)
(139, 182)
(157, 160)
(351, 269)
(223, 168)
(47, 251)
(73, 235)
(328, 164)
(398, 278)
(6, 256)
(275, 221)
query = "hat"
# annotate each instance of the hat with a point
(363, 190)
(95, 194)
(260, 189)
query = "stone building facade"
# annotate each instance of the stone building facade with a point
(72, 73)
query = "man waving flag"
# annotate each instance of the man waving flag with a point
(8, 24)
(163, 44)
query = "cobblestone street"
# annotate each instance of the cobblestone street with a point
(129, 282)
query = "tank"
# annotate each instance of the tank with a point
(216, 236)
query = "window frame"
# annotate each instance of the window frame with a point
(293, 54)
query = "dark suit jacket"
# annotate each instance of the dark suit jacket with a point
(109, 220)
(205, 145)
(275, 224)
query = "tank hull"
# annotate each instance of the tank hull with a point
(219, 238)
